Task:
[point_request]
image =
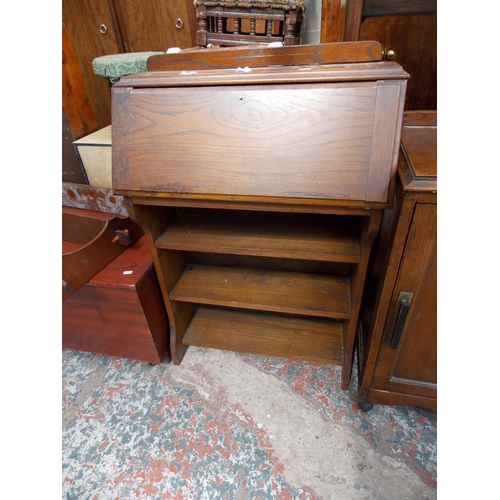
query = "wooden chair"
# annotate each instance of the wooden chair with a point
(229, 22)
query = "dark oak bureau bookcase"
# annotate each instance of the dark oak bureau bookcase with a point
(260, 193)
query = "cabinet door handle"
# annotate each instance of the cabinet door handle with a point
(399, 319)
(179, 23)
(103, 29)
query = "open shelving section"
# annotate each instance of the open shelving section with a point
(272, 283)
(303, 310)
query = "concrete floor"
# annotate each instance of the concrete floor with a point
(226, 425)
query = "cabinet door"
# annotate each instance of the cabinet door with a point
(411, 41)
(156, 25)
(93, 33)
(410, 365)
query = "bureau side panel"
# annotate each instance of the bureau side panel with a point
(291, 141)
(386, 141)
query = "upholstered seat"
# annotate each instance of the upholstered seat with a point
(233, 22)
(114, 66)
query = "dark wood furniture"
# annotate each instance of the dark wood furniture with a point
(398, 336)
(261, 56)
(407, 31)
(90, 241)
(103, 27)
(260, 194)
(78, 118)
(358, 11)
(226, 22)
(112, 303)
(119, 312)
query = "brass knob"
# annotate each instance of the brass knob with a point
(391, 54)
(179, 24)
(103, 29)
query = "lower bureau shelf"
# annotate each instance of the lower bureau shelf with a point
(265, 290)
(293, 337)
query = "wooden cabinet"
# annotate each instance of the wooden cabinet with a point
(119, 311)
(93, 32)
(398, 334)
(411, 40)
(102, 27)
(156, 25)
(260, 193)
(407, 31)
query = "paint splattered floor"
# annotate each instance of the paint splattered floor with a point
(225, 425)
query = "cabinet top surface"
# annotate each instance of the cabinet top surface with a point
(384, 70)
(419, 149)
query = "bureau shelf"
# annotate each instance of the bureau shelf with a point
(265, 290)
(298, 238)
(271, 335)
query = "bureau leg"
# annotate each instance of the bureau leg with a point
(365, 407)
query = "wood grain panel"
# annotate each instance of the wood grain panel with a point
(410, 369)
(415, 361)
(75, 99)
(82, 226)
(78, 267)
(83, 19)
(420, 147)
(113, 322)
(273, 238)
(332, 20)
(261, 56)
(386, 140)
(385, 7)
(394, 398)
(127, 269)
(313, 73)
(294, 293)
(413, 39)
(296, 338)
(151, 26)
(248, 141)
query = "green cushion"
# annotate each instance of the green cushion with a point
(115, 66)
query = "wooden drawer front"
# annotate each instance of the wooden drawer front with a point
(309, 141)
